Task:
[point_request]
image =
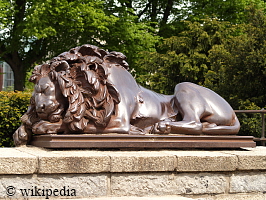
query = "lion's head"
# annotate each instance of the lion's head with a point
(74, 87)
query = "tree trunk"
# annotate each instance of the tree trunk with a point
(19, 80)
(154, 10)
(167, 11)
(17, 67)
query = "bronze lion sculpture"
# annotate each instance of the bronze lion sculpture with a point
(88, 90)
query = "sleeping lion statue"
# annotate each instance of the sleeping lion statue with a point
(88, 90)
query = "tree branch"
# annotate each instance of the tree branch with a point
(145, 9)
(167, 11)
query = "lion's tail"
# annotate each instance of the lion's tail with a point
(221, 130)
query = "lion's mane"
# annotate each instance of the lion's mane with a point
(81, 74)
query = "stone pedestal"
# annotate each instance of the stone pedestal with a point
(31, 172)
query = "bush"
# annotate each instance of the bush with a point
(250, 123)
(12, 106)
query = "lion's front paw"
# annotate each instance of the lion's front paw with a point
(20, 136)
(162, 128)
(45, 127)
(136, 131)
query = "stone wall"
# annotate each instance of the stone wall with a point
(31, 172)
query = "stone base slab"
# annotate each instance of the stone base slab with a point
(38, 173)
(141, 141)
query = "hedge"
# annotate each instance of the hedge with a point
(250, 123)
(12, 106)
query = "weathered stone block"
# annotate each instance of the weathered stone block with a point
(245, 183)
(251, 159)
(167, 184)
(13, 161)
(42, 186)
(74, 161)
(136, 161)
(204, 161)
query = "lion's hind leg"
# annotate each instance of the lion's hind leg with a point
(195, 128)
(190, 106)
(213, 129)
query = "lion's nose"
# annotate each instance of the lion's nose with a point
(42, 106)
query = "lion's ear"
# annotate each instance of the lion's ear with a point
(102, 52)
(38, 72)
(56, 67)
(45, 69)
(117, 58)
(89, 50)
(59, 66)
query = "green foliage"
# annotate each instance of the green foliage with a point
(238, 69)
(227, 58)
(250, 123)
(183, 57)
(130, 37)
(12, 106)
(232, 11)
(66, 20)
(33, 31)
(238, 64)
(3, 13)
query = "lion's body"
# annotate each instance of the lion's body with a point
(88, 90)
(193, 104)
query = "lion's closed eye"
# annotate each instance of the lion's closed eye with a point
(43, 88)
(38, 89)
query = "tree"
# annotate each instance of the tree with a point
(31, 30)
(147, 10)
(167, 14)
(159, 13)
(183, 57)
(167, 18)
(232, 11)
(227, 58)
(242, 58)
(129, 35)
(36, 30)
